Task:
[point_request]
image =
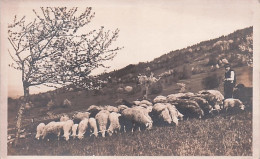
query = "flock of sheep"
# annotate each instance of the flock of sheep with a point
(140, 115)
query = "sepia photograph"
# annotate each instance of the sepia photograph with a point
(130, 78)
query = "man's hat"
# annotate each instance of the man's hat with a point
(227, 65)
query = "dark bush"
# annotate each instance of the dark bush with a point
(156, 88)
(213, 60)
(186, 72)
(211, 81)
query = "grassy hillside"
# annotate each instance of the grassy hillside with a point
(221, 135)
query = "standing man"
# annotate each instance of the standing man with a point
(229, 81)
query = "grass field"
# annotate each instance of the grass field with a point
(222, 135)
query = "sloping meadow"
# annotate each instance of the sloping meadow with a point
(222, 135)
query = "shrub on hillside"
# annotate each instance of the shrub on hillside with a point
(156, 88)
(213, 60)
(186, 72)
(211, 82)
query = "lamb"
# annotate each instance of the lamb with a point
(74, 130)
(40, 130)
(102, 121)
(67, 126)
(53, 127)
(82, 127)
(160, 99)
(114, 123)
(93, 126)
(233, 103)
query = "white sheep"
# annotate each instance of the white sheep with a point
(67, 127)
(174, 113)
(102, 121)
(233, 103)
(160, 99)
(83, 125)
(137, 116)
(93, 126)
(165, 115)
(159, 107)
(74, 130)
(53, 127)
(122, 107)
(114, 123)
(40, 130)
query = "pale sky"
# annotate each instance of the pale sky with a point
(148, 28)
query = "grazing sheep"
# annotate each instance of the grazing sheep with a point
(93, 126)
(159, 107)
(189, 108)
(165, 115)
(137, 116)
(53, 127)
(233, 103)
(80, 116)
(40, 130)
(216, 94)
(204, 104)
(74, 130)
(122, 107)
(160, 99)
(244, 94)
(93, 110)
(64, 118)
(102, 121)
(114, 123)
(174, 113)
(67, 126)
(83, 125)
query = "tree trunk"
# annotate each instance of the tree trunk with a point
(20, 113)
(146, 91)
